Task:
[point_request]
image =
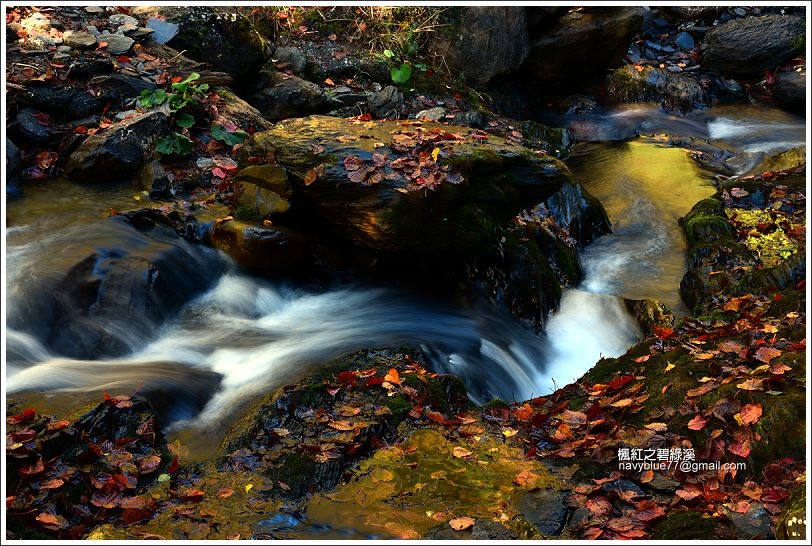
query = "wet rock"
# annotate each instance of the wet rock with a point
(684, 525)
(163, 31)
(126, 86)
(262, 190)
(117, 44)
(789, 90)
(546, 510)
(746, 47)
(33, 125)
(153, 178)
(13, 162)
(445, 223)
(68, 102)
(293, 57)
(119, 19)
(267, 250)
(581, 44)
(106, 302)
(227, 41)
(281, 96)
(490, 41)
(86, 69)
(755, 524)
(386, 103)
(119, 151)
(94, 10)
(78, 38)
(676, 91)
(483, 529)
(685, 41)
(692, 13)
(650, 314)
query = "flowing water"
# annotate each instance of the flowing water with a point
(242, 336)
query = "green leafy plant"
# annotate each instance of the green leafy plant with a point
(182, 93)
(401, 74)
(174, 144)
(229, 138)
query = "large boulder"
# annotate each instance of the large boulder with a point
(223, 38)
(490, 40)
(119, 151)
(378, 186)
(266, 250)
(580, 44)
(745, 48)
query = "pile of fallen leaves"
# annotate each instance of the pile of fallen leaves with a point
(64, 477)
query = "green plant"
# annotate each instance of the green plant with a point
(183, 92)
(174, 144)
(227, 137)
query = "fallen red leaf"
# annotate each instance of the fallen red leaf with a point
(750, 413)
(697, 423)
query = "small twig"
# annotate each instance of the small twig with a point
(176, 56)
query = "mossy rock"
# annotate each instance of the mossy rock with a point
(792, 521)
(688, 525)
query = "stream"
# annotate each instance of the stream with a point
(245, 336)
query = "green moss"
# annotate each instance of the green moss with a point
(400, 405)
(689, 525)
(246, 214)
(700, 227)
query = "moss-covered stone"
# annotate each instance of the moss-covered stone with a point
(688, 525)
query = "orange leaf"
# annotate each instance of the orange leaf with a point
(524, 413)
(750, 413)
(647, 476)
(460, 524)
(527, 479)
(460, 452)
(573, 418)
(392, 376)
(702, 389)
(51, 521)
(742, 449)
(225, 492)
(643, 358)
(192, 494)
(697, 423)
(778, 368)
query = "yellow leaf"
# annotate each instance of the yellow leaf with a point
(508, 432)
(705, 379)
(249, 487)
(669, 367)
(460, 452)
(435, 153)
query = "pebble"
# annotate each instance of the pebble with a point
(121, 19)
(433, 114)
(205, 163)
(94, 9)
(118, 44)
(685, 41)
(93, 30)
(64, 48)
(673, 68)
(741, 12)
(78, 38)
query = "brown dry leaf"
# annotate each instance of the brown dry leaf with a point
(778, 368)
(51, 521)
(647, 476)
(225, 492)
(657, 427)
(704, 356)
(752, 385)
(460, 524)
(688, 494)
(703, 389)
(524, 413)
(766, 354)
(622, 403)
(460, 452)
(730, 346)
(573, 418)
(342, 425)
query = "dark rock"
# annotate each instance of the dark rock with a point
(483, 529)
(541, 16)
(623, 485)
(13, 162)
(789, 90)
(239, 112)
(386, 103)
(489, 41)
(86, 69)
(746, 47)
(471, 118)
(755, 524)
(69, 102)
(126, 86)
(581, 44)
(272, 250)
(112, 299)
(692, 13)
(163, 31)
(153, 178)
(445, 223)
(661, 483)
(227, 41)
(119, 151)
(281, 97)
(546, 510)
(335, 60)
(650, 313)
(685, 41)
(33, 125)
(676, 91)
(293, 57)
(792, 521)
